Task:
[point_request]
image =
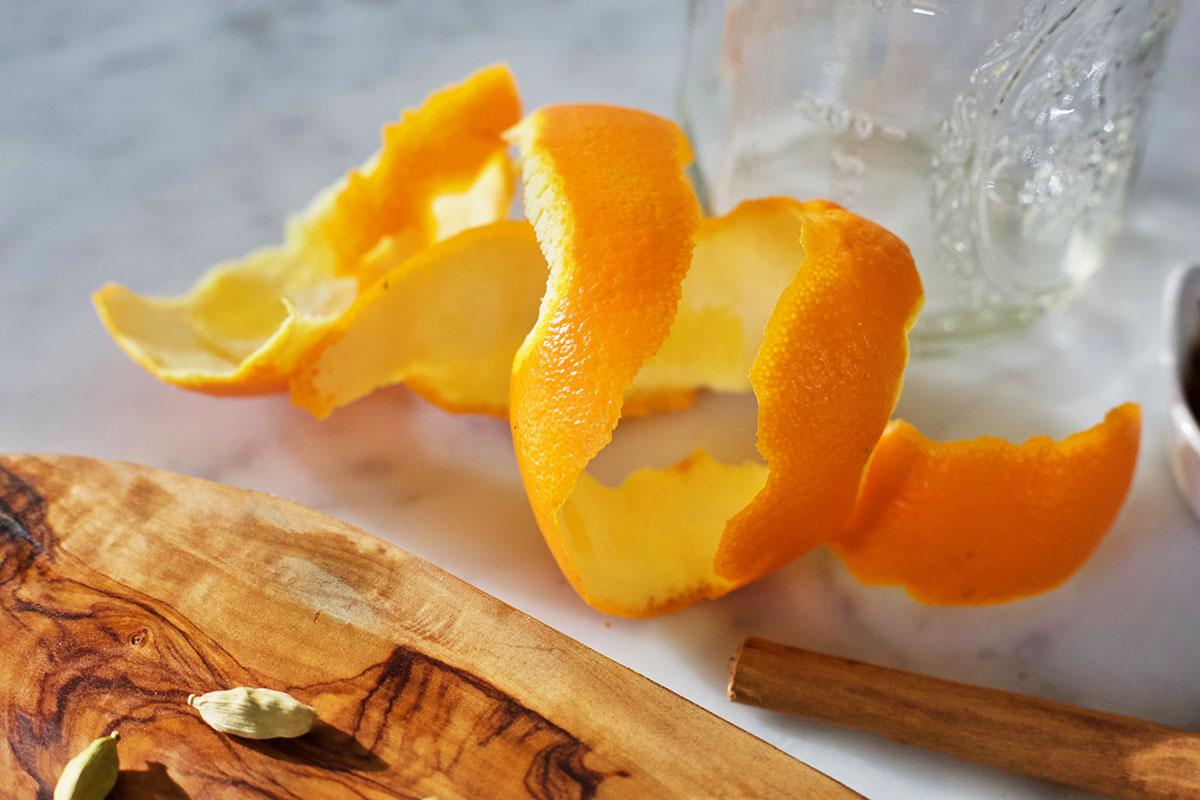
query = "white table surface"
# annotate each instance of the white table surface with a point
(142, 141)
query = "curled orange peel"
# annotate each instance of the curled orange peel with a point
(616, 299)
(244, 327)
(816, 324)
(987, 521)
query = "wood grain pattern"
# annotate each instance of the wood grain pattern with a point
(123, 589)
(1111, 754)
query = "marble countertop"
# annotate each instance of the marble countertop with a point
(142, 141)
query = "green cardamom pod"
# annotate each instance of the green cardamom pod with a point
(255, 713)
(92, 774)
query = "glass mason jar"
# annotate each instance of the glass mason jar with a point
(998, 140)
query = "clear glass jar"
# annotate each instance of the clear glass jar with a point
(998, 139)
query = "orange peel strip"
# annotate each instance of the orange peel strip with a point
(824, 346)
(628, 216)
(987, 521)
(244, 326)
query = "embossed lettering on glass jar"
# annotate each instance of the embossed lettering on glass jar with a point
(999, 140)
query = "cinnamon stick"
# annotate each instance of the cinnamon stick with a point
(1107, 753)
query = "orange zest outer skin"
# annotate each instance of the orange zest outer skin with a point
(827, 378)
(987, 521)
(432, 150)
(616, 226)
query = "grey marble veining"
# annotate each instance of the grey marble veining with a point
(142, 141)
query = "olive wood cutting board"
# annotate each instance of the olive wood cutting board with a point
(123, 589)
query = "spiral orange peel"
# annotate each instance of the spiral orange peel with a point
(244, 327)
(619, 298)
(817, 326)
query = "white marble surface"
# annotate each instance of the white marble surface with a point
(142, 141)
